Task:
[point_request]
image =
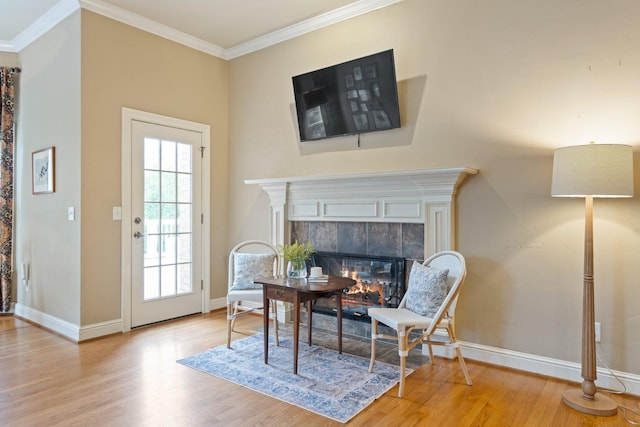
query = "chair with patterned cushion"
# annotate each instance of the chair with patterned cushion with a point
(428, 306)
(247, 261)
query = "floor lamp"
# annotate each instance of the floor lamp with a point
(592, 170)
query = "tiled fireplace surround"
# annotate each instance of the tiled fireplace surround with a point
(363, 238)
(409, 214)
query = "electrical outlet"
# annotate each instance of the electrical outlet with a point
(597, 328)
(24, 269)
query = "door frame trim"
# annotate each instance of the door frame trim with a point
(130, 115)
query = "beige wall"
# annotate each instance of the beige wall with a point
(126, 67)
(49, 115)
(8, 59)
(76, 78)
(495, 85)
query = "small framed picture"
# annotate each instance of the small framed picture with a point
(42, 171)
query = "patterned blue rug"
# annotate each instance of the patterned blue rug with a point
(334, 385)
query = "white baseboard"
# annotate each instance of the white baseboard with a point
(101, 329)
(218, 303)
(59, 326)
(556, 368)
(67, 329)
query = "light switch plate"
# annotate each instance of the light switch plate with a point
(117, 213)
(71, 213)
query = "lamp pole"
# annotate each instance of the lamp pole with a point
(588, 307)
(587, 399)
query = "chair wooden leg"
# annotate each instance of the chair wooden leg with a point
(456, 346)
(234, 314)
(430, 350)
(230, 319)
(463, 366)
(374, 334)
(402, 351)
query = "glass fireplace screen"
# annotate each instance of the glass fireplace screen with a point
(379, 282)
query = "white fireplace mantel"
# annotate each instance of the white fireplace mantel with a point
(412, 196)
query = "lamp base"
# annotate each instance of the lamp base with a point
(601, 405)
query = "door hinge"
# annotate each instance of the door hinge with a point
(202, 285)
(201, 219)
(202, 152)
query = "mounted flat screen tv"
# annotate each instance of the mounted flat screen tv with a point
(351, 98)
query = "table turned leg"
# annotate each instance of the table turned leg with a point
(309, 319)
(339, 313)
(265, 317)
(296, 330)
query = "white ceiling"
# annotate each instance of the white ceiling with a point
(225, 28)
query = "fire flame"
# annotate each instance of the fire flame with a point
(362, 288)
(359, 288)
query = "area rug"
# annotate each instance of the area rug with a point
(337, 386)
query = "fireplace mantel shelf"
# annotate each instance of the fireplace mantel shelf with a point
(443, 180)
(380, 197)
(411, 196)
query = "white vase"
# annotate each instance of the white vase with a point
(297, 270)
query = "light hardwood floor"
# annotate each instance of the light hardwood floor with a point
(133, 379)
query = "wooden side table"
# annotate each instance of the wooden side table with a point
(298, 291)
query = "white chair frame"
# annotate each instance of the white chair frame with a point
(405, 321)
(237, 298)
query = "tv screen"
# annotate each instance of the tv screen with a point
(354, 97)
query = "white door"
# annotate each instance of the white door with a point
(166, 222)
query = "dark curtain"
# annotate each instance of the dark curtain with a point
(7, 111)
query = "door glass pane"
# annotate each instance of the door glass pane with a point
(151, 250)
(152, 218)
(184, 248)
(168, 218)
(168, 156)
(168, 185)
(184, 188)
(184, 218)
(151, 186)
(184, 158)
(151, 282)
(151, 153)
(167, 222)
(169, 255)
(184, 278)
(168, 280)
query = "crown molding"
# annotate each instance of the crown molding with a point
(329, 18)
(7, 46)
(46, 22)
(66, 7)
(137, 21)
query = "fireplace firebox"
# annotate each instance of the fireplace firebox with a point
(380, 282)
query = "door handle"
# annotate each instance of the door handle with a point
(138, 235)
